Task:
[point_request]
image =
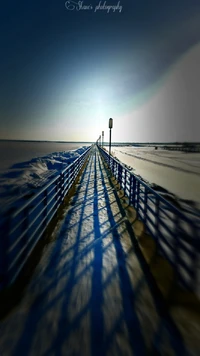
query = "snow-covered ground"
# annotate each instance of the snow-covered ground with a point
(12, 152)
(89, 295)
(25, 177)
(177, 172)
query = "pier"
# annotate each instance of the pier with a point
(95, 290)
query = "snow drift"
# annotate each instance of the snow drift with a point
(23, 179)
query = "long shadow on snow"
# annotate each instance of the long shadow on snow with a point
(127, 293)
(166, 326)
(38, 308)
(100, 342)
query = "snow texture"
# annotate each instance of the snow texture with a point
(89, 294)
(23, 179)
(174, 175)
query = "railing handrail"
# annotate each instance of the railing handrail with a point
(47, 185)
(169, 226)
(23, 228)
(170, 205)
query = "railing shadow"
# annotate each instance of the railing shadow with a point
(166, 328)
(74, 300)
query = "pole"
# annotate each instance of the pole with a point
(110, 125)
(110, 144)
(102, 138)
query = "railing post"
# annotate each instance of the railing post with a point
(114, 166)
(64, 183)
(145, 205)
(125, 177)
(117, 170)
(57, 193)
(195, 257)
(138, 201)
(25, 226)
(4, 246)
(138, 197)
(132, 190)
(107, 158)
(122, 178)
(129, 187)
(176, 244)
(46, 206)
(157, 207)
(119, 174)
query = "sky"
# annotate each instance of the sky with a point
(66, 67)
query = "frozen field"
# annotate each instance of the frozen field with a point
(12, 152)
(29, 165)
(177, 172)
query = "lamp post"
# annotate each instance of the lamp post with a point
(98, 141)
(110, 125)
(102, 139)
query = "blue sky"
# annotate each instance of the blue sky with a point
(65, 72)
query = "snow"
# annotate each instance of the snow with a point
(24, 178)
(12, 152)
(89, 294)
(188, 230)
(20, 173)
(177, 172)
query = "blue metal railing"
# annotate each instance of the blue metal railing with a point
(21, 230)
(176, 233)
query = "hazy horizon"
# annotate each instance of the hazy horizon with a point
(105, 142)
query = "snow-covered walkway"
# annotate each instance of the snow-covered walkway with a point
(88, 295)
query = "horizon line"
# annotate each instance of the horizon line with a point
(106, 142)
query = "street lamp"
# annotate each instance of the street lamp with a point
(102, 138)
(99, 141)
(110, 125)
